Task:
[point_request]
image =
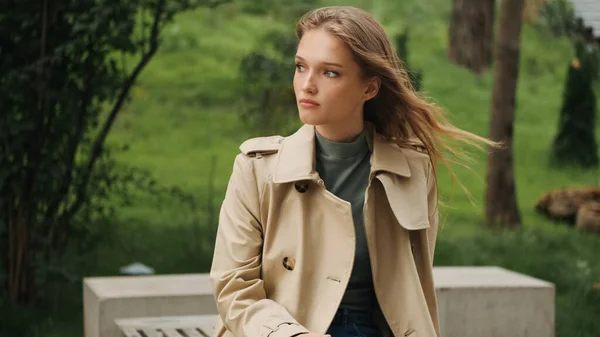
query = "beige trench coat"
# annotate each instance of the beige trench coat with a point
(285, 245)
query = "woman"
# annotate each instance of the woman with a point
(332, 230)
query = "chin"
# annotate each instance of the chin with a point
(310, 117)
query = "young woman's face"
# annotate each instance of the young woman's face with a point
(330, 89)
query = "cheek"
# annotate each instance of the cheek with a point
(295, 82)
(345, 93)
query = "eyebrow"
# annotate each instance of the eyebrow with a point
(325, 63)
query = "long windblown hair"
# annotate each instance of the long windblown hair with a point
(398, 112)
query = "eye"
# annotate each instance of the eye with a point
(330, 73)
(299, 67)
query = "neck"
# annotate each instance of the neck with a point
(342, 133)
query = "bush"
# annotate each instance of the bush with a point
(63, 84)
(575, 142)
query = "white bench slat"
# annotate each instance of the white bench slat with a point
(207, 324)
(150, 332)
(191, 332)
(168, 326)
(131, 332)
(170, 332)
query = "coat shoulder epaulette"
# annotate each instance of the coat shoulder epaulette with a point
(261, 146)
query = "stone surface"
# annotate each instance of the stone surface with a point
(492, 301)
(473, 302)
(109, 298)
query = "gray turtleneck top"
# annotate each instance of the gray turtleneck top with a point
(345, 167)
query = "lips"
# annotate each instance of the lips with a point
(308, 103)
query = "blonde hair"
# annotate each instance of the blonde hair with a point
(398, 112)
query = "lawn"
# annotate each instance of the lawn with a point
(182, 123)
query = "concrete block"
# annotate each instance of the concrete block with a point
(473, 301)
(493, 302)
(109, 298)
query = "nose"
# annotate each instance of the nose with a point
(309, 86)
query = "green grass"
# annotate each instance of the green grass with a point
(183, 118)
(182, 113)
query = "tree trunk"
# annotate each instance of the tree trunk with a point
(471, 34)
(17, 263)
(501, 204)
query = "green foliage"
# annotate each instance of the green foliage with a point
(558, 18)
(593, 59)
(415, 76)
(268, 100)
(575, 143)
(62, 67)
(287, 10)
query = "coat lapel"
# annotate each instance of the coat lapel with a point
(405, 192)
(296, 157)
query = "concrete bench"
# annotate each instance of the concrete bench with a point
(106, 299)
(492, 301)
(473, 302)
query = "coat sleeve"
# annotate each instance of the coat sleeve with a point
(236, 267)
(432, 206)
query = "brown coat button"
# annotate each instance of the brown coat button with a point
(289, 263)
(301, 187)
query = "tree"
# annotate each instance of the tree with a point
(64, 81)
(501, 204)
(471, 34)
(575, 142)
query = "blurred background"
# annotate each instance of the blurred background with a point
(120, 121)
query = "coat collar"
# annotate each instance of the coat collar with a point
(296, 157)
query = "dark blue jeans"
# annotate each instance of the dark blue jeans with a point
(351, 323)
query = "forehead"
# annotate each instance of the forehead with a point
(321, 46)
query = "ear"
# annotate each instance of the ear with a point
(372, 89)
